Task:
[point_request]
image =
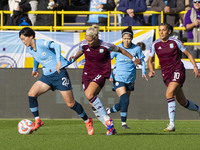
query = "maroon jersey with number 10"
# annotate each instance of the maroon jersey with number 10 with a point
(169, 55)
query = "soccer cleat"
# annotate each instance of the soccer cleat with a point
(89, 126)
(169, 128)
(125, 126)
(110, 127)
(108, 110)
(38, 123)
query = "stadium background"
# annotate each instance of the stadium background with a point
(147, 102)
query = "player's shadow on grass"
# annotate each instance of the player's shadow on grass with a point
(165, 133)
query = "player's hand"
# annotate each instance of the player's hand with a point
(58, 66)
(151, 74)
(196, 72)
(111, 79)
(35, 74)
(145, 77)
(137, 61)
(71, 58)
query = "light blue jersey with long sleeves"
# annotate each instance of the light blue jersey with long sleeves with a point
(47, 53)
(125, 69)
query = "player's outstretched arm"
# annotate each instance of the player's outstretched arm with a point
(195, 71)
(151, 71)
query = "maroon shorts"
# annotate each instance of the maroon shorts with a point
(177, 76)
(99, 79)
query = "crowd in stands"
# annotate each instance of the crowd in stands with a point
(191, 20)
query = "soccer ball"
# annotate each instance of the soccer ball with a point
(25, 126)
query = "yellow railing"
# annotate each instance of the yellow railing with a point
(62, 13)
(102, 28)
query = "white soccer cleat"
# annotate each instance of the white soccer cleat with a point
(108, 110)
(170, 128)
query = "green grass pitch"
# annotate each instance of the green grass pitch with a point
(71, 134)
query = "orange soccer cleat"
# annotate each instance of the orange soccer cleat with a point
(89, 126)
(38, 123)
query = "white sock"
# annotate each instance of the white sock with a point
(37, 117)
(123, 123)
(171, 109)
(100, 110)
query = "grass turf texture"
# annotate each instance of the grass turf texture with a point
(71, 134)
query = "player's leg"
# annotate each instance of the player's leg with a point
(71, 103)
(180, 97)
(36, 90)
(91, 94)
(122, 105)
(171, 105)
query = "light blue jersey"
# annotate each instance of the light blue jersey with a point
(47, 54)
(125, 69)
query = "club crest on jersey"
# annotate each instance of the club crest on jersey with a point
(133, 54)
(171, 45)
(101, 50)
(43, 53)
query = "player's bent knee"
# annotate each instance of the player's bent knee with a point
(89, 96)
(31, 94)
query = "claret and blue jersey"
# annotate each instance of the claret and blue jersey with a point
(125, 69)
(47, 53)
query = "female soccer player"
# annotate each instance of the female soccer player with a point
(96, 70)
(173, 71)
(124, 74)
(55, 76)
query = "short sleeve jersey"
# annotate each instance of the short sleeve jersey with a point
(46, 56)
(168, 54)
(97, 60)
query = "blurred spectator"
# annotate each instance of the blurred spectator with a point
(19, 18)
(192, 25)
(131, 7)
(34, 5)
(119, 16)
(98, 5)
(168, 6)
(49, 5)
(4, 6)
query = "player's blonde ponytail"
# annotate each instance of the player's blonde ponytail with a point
(93, 31)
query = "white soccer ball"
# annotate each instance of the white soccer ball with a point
(25, 126)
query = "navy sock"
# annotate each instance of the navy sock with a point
(79, 110)
(115, 108)
(33, 104)
(124, 101)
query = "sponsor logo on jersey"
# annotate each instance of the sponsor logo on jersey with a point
(159, 47)
(101, 50)
(171, 45)
(88, 49)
